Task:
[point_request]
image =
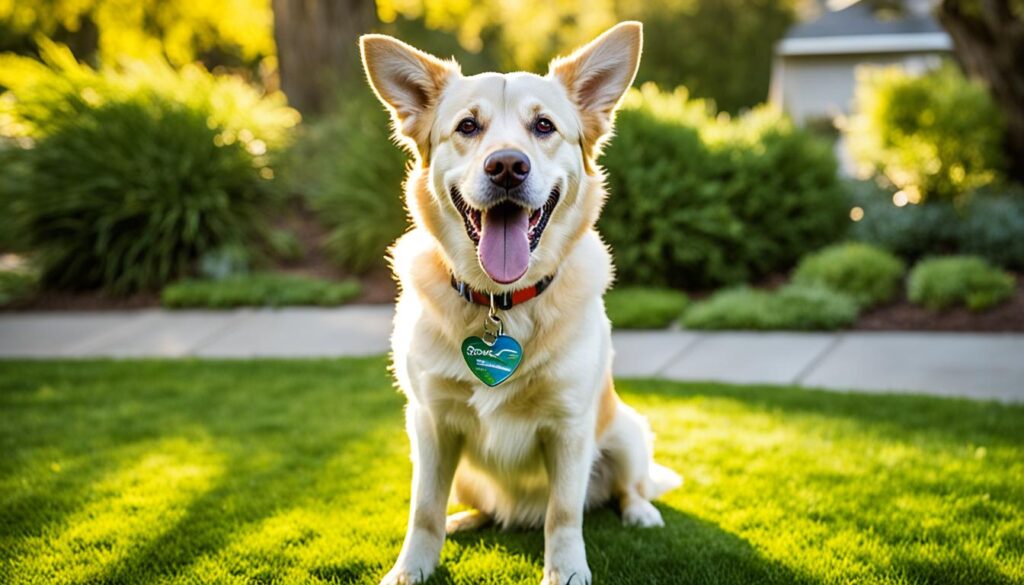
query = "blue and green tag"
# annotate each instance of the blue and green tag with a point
(492, 362)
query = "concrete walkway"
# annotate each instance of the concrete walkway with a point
(946, 364)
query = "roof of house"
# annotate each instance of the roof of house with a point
(857, 28)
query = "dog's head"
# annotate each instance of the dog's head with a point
(505, 177)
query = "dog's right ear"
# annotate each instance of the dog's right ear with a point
(408, 81)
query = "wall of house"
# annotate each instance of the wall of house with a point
(821, 87)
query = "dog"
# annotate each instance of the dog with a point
(503, 194)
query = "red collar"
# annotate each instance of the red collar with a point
(503, 301)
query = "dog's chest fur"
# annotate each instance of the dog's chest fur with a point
(566, 347)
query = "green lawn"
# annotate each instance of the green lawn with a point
(296, 472)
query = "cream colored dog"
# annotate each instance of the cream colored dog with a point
(504, 193)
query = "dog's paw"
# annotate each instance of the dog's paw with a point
(468, 520)
(567, 576)
(407, 576)
(641, 513)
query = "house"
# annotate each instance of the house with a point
(814, 70)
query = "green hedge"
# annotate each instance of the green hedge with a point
(129, 176)
(794, 307)
(990, 225)
(644, 308)
(941, 283)
(258, 290)
(698, 200)
(867, 273)
(936, 136)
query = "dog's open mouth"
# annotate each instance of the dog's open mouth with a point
(505, 234)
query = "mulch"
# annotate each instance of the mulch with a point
(903, 316)
(378, 286)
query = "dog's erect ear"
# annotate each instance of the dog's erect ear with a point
(408, 81)
(598, 74)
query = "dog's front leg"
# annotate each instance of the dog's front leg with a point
(568, 456)
(435, 454)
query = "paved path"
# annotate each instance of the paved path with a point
(946, 364)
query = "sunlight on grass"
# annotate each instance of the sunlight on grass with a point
(844, 497)
(125, 511)
(330, 533)
(298, 472)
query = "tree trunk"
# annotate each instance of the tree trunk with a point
(988, 39)
(317, 47)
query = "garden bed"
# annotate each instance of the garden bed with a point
(376, 286)
(904, 316)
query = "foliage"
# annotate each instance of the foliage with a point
(699, 200)
(351, 172)
(17, 284)
(178, 30)
(935, 136)
(867, 273)
(993, 227)
(794, 307)
(910, 231)
(941, 283)
(258, 290)
(134, 174)
(686, 42)
(298, 472)
(989, 225)
(644, 308)
(13, 172)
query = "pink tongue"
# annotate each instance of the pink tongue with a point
(504, 249)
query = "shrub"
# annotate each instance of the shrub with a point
(698, 200)
(869, 274)
(936, 136)
(993, 227)
(132, 175)
(987, 225)
(644, 308)
(794, 307)
(941, 283)
(17, 284)
(258, 290)
(351, 172)
(13, 173)
(911, 231)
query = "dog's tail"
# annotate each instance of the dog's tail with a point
(660, 479)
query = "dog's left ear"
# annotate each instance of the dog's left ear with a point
(408, 81)
(597, 75)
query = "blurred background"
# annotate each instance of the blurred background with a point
(781, 164)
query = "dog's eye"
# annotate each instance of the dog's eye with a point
(543, 126)
(468, 126)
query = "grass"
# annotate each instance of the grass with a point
(258, 290)
(297, 472)
(643, 307)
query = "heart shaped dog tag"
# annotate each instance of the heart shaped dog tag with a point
(494, 362)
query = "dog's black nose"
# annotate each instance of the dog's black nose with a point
(507, 168)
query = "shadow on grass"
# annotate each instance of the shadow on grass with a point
(890, 414)
(274, 446)
(686, 550)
